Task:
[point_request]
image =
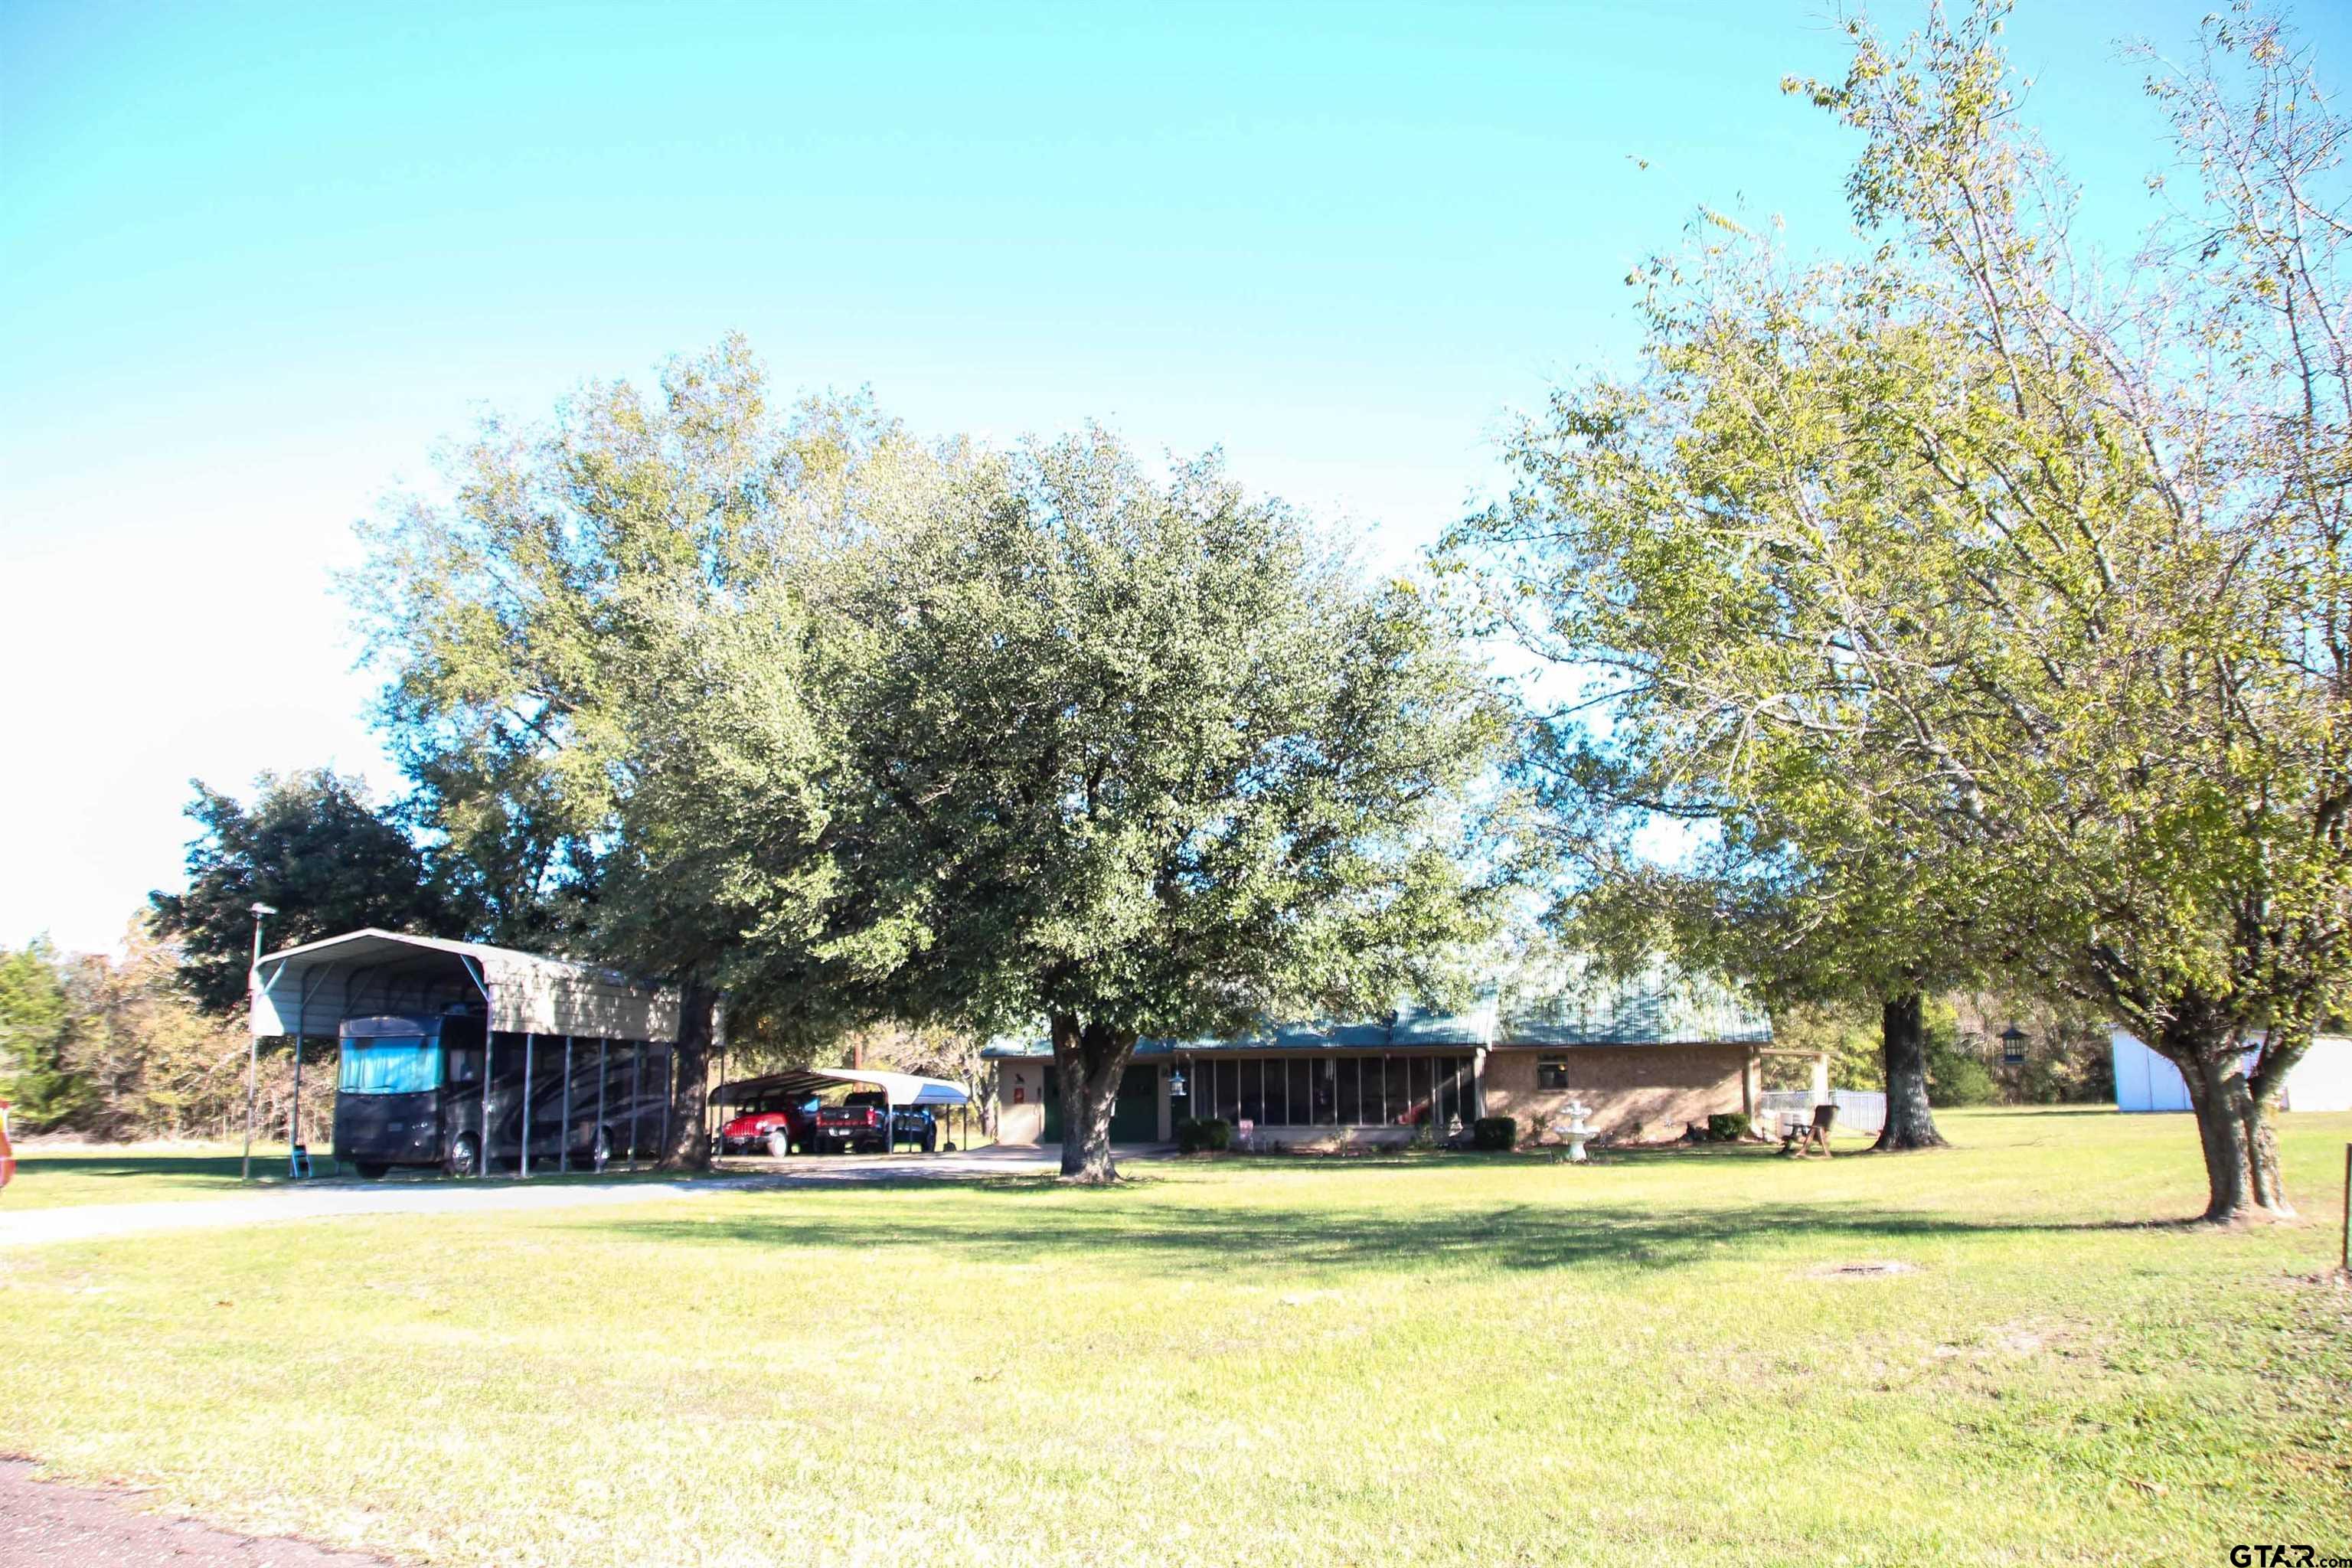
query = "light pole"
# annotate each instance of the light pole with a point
(253, 1041)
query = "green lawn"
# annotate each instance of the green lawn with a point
(1447, 1360)
(54, 1175)
(62, 1174)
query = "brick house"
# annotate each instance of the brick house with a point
(1652, 1055)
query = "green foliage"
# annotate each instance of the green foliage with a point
(1960, 1077)
(160, 1066)
(113, 1046)
(1145, 758)
(1727, 1127)
(1983, 610)
(1197, 1134)
(310, 846)
(861, 730)
(2068, 1057)
(544, 635)
(1495, 1133)
(36, 1030)
(1848, 1033)
(1958, 1073)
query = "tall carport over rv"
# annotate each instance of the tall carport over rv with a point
(466, 1056)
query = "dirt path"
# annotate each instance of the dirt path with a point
(344, 1200)
(44, 1524)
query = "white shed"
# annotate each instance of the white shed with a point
(2322, 1080)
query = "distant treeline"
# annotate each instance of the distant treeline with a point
(115, 1048)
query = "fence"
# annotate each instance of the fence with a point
(1859, 1109)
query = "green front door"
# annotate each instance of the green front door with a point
(1134, 1116)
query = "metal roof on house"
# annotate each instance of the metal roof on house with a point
(1576, 1006)
(1568, 1006)
(1409, 1026)
(310, 988)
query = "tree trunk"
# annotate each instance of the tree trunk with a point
(2262, 1161)
(1090, 1060)
(2234, 1124)
(2217, 1094)
(1903, 1041)
(2281, 1051)
(690, 1140)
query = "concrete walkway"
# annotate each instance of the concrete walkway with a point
(344, 1200)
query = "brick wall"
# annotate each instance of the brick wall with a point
(1639, 1093)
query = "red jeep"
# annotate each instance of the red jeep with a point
(776, 1125)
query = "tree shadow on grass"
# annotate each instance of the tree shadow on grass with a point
(2105, 1110)
(1229, 1242)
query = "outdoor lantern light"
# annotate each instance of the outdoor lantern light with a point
(1176, 1083)
(2012, 1045)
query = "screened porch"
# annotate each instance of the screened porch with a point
(1328, 1090)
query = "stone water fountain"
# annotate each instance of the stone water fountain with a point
(1576, 1129)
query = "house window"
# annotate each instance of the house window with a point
(1228, 1102)
(1551, 1072)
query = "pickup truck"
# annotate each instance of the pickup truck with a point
(855, 1125)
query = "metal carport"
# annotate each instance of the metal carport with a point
(298, 988)
(899, 1089)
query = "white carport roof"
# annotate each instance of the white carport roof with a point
(903, 1087)
(311, 988)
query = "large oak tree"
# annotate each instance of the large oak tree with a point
(850, 727)
(1057, 742)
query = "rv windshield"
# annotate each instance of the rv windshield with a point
(391, 1065)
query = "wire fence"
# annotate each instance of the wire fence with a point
(1859, 1109)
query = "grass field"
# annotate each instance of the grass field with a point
(62, 1174)
(1449, 1360)
(53, 1175)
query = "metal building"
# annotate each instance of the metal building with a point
(540, 1025)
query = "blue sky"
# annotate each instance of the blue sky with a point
(259, 259)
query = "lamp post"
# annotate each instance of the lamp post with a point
(2012, 1045)
(253, 1041)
